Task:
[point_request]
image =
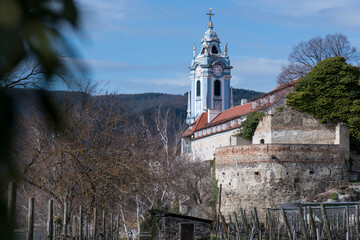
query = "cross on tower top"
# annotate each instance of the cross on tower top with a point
(210, 14)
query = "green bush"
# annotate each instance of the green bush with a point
(279, 109)
(331, 91)
(335, 196)
(249, 126)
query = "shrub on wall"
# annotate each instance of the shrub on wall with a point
(331, 91)
(249, 126)
(335, 196)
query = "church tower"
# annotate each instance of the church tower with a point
(210, 74)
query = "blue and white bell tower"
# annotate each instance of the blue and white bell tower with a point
(210, 74)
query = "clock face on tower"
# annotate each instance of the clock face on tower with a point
(217, 69)
(198, 71)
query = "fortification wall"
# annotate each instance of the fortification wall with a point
(291, 126)
(268, 174)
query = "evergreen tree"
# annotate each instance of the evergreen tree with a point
(331, 91)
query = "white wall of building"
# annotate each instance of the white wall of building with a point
(204, 148)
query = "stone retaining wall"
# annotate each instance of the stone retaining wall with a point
(268, 174)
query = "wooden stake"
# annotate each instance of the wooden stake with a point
(85, 228)
(357, 220)
(244, 221)
(95, 224)
(30, 233)
(80, 223)
(74, 227)
(347, 220)
(257, 224)
(312, 223)
(266, 226)
(317, 234)
(326, 222)
(302, 222)
(270, 224)
(288, 229)
(117, 227)
(66, 217)
(104, 224)
(236, 223)
(224, 225)
(111, 226)
(50, 233)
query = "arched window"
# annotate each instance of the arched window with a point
(198, 88)
(214, 50)
(217, 88)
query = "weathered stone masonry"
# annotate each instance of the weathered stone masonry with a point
(268, 174)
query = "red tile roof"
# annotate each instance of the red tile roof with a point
(200, 121)
(230, 114)
(238, 111)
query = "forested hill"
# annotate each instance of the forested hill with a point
(141, 103)
(240, 93)
(147, 101)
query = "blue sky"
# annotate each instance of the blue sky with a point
(137, 46)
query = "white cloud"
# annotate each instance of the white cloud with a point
(105, 14)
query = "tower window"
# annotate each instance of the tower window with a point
(214, 50)
(198, 88)
(217, 88)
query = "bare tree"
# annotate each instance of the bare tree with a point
(306, 54)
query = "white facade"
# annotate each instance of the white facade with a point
(203, 149)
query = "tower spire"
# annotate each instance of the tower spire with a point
(210, 24)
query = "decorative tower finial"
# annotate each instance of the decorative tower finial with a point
(225, 49)
(194, 51)
(210, 24)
